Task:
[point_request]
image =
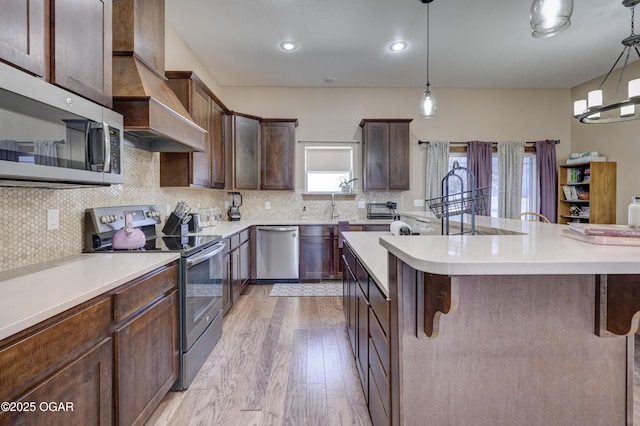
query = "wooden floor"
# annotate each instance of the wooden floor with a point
(281, 361)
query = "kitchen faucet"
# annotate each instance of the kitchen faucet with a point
(333, 206)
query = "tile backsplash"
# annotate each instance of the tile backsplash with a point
(25, 240)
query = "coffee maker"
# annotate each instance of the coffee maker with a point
(234, 209)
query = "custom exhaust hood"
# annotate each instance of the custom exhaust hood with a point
(154, 118)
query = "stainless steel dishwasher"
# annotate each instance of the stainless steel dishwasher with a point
(277, 254)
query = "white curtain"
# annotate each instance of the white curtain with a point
(510, 164)
(437, 167)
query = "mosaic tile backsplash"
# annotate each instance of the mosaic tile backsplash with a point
(25, 240)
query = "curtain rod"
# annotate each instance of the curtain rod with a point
(493, 143)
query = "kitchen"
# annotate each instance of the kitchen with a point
(340, 109)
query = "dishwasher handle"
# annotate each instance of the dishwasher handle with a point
(277, 228)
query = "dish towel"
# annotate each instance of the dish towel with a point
(343, 226)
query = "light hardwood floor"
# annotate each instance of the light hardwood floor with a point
(281, 361)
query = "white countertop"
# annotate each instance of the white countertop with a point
(35, 293)
(371, 254)
(540, 249)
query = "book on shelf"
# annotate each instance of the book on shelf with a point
(604, 240)
(609, 230)
(570, 192)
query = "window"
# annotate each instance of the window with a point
(529, 180)
(325, 167)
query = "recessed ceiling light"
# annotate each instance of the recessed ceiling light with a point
(330, 80)
(397, 46)
(288, 45)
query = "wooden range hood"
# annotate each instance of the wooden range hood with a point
(154, 118)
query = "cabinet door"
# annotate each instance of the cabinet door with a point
(81, 392)
(227, 284)
(278, 155)
(375, 146)
(23, 28)
(247, 139)
(200, 110)
(217, 133)
(316, 258)
(236, 283)
(146, 360)
(81, 46)
(399, 156)
(245, 263)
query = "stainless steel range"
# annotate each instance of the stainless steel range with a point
(200, 276)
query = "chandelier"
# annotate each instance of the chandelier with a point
(428, 101)
(592, 110)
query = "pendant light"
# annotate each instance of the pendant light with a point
(550, 17)
(427, 101)
(593, 108)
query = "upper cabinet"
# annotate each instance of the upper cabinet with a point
(67, 42)
(204, 169)
(23, 34)
(81, 48)
(278, 153)
(264, 152)
(246, 141)
(385, 154)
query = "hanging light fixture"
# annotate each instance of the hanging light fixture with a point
(591, 110)
(550, 17)
(428, 101)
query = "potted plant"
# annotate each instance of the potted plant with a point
(345, 184)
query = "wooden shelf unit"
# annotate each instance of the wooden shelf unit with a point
(601, 186)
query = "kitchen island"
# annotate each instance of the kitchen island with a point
(523, 327)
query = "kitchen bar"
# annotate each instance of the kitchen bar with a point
(506, 328)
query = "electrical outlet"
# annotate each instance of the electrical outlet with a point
(53, 219)
(418, 203)
(361, 204)
(267, 205)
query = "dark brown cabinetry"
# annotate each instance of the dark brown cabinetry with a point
(238, 262)
(81, 40)
(114, 357)
(318, 251)
(264, 152)
(366, 311)
(24, 26)
(66, 42)
(278, 153)
(146, 344)
(204, 169)
(385, 154)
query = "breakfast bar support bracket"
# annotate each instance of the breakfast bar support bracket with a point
(617, 304)
(439, 297)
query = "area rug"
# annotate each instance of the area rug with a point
(301, 290)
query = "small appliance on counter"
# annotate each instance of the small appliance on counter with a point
(381, 210)
(234, 209)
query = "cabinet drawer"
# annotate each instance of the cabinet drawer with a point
(356, 228)
(378, 227)
(31, 358)
(317, 231)
(143, 291)
(380, 305)
(381, 380)
(244, 235)
(376, 409)
(349, 258)
(380, 341)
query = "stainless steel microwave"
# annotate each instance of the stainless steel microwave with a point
(50, 137)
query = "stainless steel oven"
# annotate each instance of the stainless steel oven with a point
(201, 274)
(201, 294)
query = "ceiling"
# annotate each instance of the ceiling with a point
(479, 44)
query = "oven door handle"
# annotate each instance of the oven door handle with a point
(216, 249)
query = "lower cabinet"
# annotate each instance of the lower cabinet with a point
(318, 253)
(367, 316)
(238, 262)
(108, 361)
